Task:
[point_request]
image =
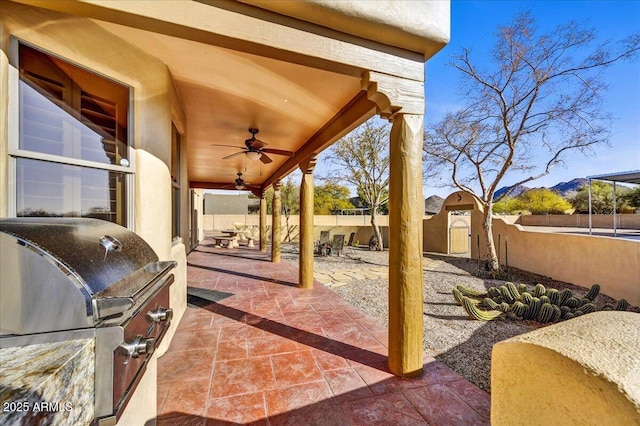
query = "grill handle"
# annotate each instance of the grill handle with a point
(159, 269)
(111, 306)
(161, 315)
(141, 345)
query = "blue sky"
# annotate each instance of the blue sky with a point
(473, 25)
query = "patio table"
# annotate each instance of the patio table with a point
(233, 233)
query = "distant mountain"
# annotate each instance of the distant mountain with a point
(513, 191)
(564, 188)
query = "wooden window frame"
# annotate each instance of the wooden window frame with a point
(15, 152)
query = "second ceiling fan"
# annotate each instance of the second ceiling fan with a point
(255, 149)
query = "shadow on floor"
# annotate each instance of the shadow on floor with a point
(437, 396)
(316, 341)
(359, 390)
(243, 275)
(238, 253)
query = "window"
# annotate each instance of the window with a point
(72, 156)
(175, 182)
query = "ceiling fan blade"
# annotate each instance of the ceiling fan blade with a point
(278, 152)
(256, 143)
(265, 159)
(233, 155)
(228, 146)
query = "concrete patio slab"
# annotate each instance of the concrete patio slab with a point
(253, 348)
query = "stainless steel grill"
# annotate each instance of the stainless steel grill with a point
(61, 275)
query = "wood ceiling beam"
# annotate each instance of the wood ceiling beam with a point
(356, 112)
(211, 185)
(255, 190)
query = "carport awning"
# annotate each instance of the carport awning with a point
(632, 176)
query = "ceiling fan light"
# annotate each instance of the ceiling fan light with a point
(239, 187)
(254, 155)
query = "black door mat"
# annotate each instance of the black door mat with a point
(202, 296)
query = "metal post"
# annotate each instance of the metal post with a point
(615, 205)
(506, 256)
(590, 223)
(478, 252)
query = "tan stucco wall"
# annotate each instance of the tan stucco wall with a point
(579, 259)
(579, 372)
(226, 221)
(584, 260)
(199, 201)
(153, 202)
(335, 224)
(179, 119)
(154, 99)
(155, 105)
(4, 135)
(623, 221)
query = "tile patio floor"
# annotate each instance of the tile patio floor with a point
(269, 353)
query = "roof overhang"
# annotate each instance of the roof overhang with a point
(303, 79)
(410, 25)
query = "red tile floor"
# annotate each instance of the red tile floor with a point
(252, 348)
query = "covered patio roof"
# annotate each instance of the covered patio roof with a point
(303, 74)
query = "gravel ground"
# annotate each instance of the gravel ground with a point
(462, 343)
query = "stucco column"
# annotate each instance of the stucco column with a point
(263, 223)
(306, 223)
(276, 239)
(405, 246)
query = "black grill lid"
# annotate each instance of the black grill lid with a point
(99, 253)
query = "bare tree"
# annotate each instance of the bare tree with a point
(289, 201)
(539, 100)
(289, 198)
(362, 158)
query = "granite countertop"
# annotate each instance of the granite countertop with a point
(48, 383)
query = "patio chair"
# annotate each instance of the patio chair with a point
(349, 249)
(351, 238)
(337, 246)
(324, 245)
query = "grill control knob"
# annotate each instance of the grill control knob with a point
(161, 315)
(139, 346)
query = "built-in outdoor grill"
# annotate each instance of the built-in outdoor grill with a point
(61, 278)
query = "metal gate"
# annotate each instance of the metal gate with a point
(459, 238)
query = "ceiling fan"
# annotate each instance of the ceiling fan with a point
(241, 184)
(255, 149)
